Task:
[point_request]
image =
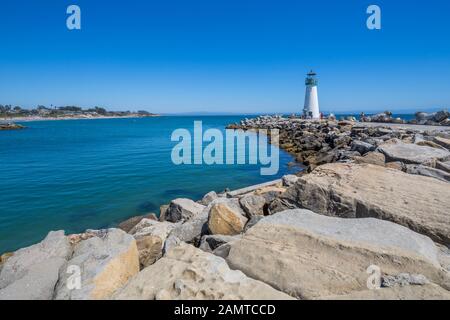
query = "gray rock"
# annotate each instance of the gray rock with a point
(404, 279)
(183, 209)
(209, 197)
(362, 147)
(441, 116)
(442, 142)
(32, 272)
(412, 153)
(253, 205)
(418, 138)
(428, 172)
(444, 166)
(189, 232)
(289, 180)
(279, 205)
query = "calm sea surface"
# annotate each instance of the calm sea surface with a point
(86, 174)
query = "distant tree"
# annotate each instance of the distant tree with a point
(100, 110)
(70, 108)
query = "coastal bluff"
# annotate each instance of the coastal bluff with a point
(371, 197)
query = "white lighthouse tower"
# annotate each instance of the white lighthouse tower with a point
(311, 109)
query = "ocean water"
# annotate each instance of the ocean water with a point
(87, 174)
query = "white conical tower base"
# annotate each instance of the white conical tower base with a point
(312, 102)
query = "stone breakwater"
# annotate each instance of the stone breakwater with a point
(373, 198)
(440, 118)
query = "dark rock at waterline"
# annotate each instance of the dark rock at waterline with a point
(11, 126)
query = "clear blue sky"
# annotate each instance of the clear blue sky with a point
(225, 55)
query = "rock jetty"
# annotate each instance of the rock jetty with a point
(440, 118)
(368, 219)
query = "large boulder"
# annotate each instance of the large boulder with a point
(412, 153)
(226, 218)
(182, 209)
(32, 272)
(355, 191)
(308, 255)
(150, 236)
(189, 273)
(253, 205)
(106, 261)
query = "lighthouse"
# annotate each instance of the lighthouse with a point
(311, 109)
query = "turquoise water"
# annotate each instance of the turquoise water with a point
(81, 174)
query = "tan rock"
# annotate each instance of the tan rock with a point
(106, 261)
(224, 220)
(375, 158)
(187, 273)
(5, 257)
(308, 255)
(150, 236)
(351, 190)
(395, 165)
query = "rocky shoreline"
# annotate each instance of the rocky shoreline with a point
(86, 117)
(373, 199)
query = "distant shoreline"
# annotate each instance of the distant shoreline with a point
(36, 118)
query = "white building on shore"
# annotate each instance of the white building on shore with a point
(311, 109)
